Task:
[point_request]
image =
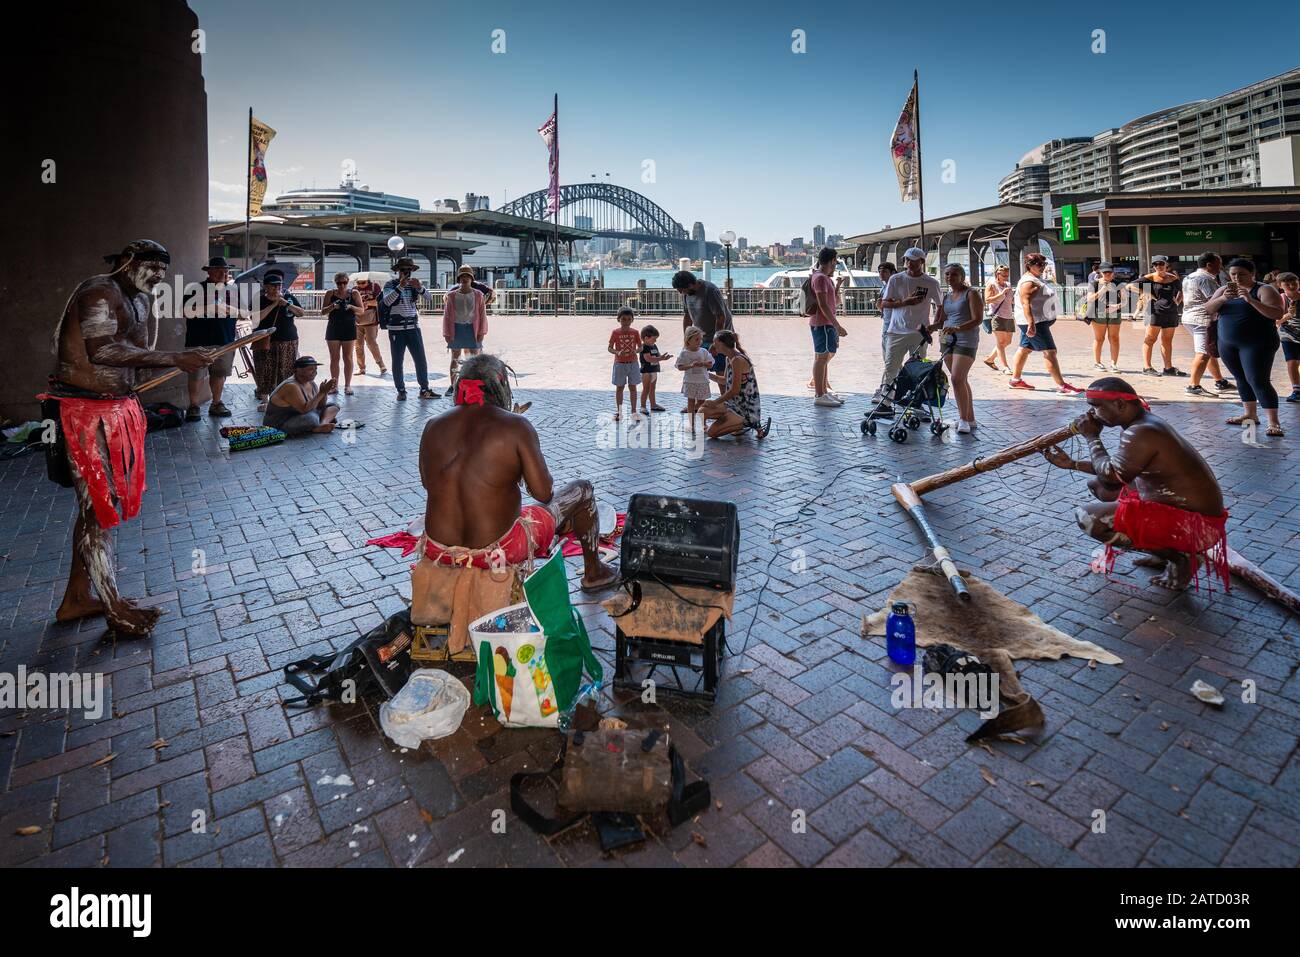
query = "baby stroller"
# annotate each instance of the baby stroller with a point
(920, 385)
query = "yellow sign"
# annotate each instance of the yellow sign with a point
(260, 136)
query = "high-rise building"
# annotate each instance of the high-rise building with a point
(1031, 178)
(796, 243)
(835, 239)
(1208, 144)
(742, 243)
(582, 222)
(1090, 167)
(819, 236)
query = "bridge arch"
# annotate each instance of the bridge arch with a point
(614, 211)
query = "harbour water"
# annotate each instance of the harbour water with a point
(741, 276)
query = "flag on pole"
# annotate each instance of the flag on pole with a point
(550, 134)
(902, 148)
(260, 136)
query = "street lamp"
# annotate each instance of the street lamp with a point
(727, 238)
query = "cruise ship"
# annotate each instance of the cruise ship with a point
(350, 196)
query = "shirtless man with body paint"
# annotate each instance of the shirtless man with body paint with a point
(102, 339)
(472, 461)
(1164, 491)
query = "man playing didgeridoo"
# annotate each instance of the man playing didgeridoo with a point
(472, 460)
(102, 339)
(1157, 495)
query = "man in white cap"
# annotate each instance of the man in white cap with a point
(905, 304)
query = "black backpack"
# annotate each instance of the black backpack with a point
(381, 310)
(379, 661)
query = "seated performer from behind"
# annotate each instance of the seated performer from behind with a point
(1156, 494)
(472, 460)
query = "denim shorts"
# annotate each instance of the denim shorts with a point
(825, 339)
(1291, 351)
(1041, 340)
(627, 373)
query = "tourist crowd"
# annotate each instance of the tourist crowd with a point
(1234, 319)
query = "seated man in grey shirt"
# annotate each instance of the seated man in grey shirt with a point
(298, 406)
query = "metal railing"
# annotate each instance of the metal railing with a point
(666, 302)
(782, 302)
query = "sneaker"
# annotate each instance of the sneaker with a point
(1196, 390)
(835, 395)
(1149, 371)
(1099, 367)
(1171, 371)
(827, 401)
(1114, 367)
(1294, 396)
(1225, 385)
(192, 414)
(381, 373)
(218, 410)
(1068, 389)
(1020, 384)
(451, 389)
(429, 394)
(963, 427)
(401, 397)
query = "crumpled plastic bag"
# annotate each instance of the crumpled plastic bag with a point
(430, 705)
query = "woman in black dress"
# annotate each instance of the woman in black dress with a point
(342, 305)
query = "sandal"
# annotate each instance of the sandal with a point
(992, 365)
(1242, 420)
(1275, 431)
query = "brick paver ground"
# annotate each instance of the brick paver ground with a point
(809, 763)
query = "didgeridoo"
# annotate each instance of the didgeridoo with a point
(910, 501)
(173, 373)
(1262, 581)
(988, 463)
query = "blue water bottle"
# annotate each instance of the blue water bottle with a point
(900, 635)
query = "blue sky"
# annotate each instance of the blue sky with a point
(744, 133)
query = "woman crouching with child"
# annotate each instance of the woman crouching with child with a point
(739, 407)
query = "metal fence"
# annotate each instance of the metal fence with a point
(668, 302)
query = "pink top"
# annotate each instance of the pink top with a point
(449, 314)
(823, 285)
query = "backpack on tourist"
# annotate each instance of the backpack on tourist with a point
(807, 298)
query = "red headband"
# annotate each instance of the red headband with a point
(469, 392)
(1122, 396)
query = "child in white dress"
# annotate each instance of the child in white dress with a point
(695, 362)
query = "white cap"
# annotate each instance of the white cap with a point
(914, 253)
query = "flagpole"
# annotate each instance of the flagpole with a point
(248, 198)
(920, 168)
(555, 216)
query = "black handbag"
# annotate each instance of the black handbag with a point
(379, 661)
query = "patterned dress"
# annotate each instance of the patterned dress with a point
(745, 403)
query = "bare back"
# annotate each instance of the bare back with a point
(472, 460)
(1166, 468)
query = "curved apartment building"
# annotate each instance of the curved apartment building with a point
(1207, 144)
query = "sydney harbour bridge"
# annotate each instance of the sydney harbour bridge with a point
(613, 212)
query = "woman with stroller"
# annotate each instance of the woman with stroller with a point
(960, 321)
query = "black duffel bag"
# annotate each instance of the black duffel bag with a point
(379, 661)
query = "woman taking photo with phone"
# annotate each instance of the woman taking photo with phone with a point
(1248, 313)
(343, 306)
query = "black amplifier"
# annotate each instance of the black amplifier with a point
(681, 541)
